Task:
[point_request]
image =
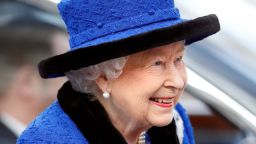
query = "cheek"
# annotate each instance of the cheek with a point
(143, 84)
(135, 88)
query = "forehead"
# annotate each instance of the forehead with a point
(166, 51)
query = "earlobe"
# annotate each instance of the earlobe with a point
(102, 83)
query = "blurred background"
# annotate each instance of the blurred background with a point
(30, 30)
(221, 93)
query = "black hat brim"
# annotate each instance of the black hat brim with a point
(190, 31)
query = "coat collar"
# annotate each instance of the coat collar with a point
(94, 123)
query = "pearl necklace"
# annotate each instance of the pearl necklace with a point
(142, 138)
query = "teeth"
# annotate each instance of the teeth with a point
(170, 100)
(167, 100)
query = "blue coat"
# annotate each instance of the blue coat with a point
(71, 121)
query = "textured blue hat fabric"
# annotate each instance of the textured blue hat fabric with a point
(110, 26)
(91, 22)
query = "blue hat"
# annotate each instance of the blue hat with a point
(100, 30)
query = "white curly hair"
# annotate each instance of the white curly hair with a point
(83, 80)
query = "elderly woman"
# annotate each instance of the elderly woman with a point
(126, 74)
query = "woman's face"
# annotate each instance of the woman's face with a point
(150, 85)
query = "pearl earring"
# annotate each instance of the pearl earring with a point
(106, 95)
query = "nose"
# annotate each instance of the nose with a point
(174, 78)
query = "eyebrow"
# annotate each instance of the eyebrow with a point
(178, 50)
(146, 54)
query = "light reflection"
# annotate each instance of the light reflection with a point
(220, 97)
(55, 1)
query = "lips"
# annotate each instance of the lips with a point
(163, 102)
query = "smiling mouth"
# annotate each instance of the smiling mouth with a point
(163, 102)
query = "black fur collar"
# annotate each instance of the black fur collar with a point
(93, 121)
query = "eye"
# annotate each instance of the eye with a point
(179, 59)
(158, 63)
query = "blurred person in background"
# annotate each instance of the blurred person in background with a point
(23, 94)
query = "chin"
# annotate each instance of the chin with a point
(161, 121)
